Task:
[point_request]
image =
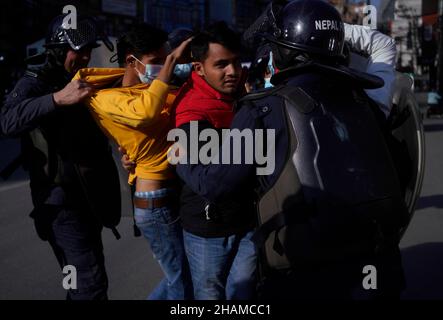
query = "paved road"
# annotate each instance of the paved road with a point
(422, 245)
(28, 268)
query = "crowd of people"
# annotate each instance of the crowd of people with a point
(209, 225)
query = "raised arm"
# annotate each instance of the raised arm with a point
(381, 52)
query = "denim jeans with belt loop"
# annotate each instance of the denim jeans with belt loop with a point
(161, 227)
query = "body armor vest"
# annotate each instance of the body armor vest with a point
(338, 194)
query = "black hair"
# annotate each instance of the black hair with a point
(218, 33)
(177, 36)
(141, 39)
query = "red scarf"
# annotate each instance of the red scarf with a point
(198, 101)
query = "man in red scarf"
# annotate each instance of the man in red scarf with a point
(221, 256)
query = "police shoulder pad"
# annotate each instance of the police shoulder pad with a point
(251, 97)
(298, 98)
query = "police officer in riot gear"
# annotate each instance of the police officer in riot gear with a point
(74, 181)
(330, 212)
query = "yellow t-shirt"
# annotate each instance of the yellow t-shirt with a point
(137, 118)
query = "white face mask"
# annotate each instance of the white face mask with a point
(183, 71)
(268, 83)
(271, 69)
(151, 71)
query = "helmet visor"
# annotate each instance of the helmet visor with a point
(86, 34)
(265, 23)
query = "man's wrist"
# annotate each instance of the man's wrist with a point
(56, 99)
(165, 74)
(171, 59)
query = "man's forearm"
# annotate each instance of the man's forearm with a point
(24, 115)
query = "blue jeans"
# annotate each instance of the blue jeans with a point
(161, 227)
(222, 268)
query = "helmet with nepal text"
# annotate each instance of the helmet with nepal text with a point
(311, 26)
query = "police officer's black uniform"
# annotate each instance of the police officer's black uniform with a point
(74, 182)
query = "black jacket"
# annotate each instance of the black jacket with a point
(221, 218)
(68, 157)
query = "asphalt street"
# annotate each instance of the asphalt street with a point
(28, 269)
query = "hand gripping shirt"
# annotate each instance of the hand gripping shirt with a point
(137, 118)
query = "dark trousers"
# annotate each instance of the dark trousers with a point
(75, 237)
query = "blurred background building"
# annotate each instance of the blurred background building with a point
(23, 23)
(415, 25)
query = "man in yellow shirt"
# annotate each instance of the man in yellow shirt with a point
(132, 106)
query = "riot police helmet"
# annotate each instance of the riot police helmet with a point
(301, 28)
(85, 33)
(312, 26)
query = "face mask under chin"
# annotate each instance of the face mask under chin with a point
(151, 71)
(182, 71)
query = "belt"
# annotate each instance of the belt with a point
(144, 203)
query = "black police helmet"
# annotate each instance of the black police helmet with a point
(311, 26)
(86, 33)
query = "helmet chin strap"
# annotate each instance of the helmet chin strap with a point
(58, 56)
(54, 66)
(285, 58)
